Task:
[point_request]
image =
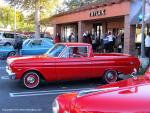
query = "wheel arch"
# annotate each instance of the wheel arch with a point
(10, 52)
(110, 69)
(7, 43)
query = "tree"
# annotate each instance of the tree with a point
(73, 4)
(7, 17)
(35, 6)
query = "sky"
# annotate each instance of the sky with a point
(3, 2)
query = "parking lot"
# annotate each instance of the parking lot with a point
(15, 98)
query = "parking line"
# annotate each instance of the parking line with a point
(2, 67)
(4, 77)
(50, 92)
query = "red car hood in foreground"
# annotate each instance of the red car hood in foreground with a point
(132, 95)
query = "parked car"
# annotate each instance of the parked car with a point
(6, 51)
(36, 46)
(7, 38)
(126, 96)
(70, 61)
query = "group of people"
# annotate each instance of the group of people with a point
(113, 42)
(108, 43)
(71, 38)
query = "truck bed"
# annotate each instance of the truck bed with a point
(110, 55)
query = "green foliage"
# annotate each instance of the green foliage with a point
(32, 4)
(7, 17)
(73, 4)
(45, 7)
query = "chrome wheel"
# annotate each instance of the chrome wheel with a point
(31, 80)
(110, 76)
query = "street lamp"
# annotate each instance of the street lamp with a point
(15, 19)
(143, 29)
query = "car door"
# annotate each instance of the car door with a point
(33, 47)
(70, 68)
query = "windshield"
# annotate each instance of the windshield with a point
(56, 50)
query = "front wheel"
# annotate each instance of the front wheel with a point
(110, 76)
(31, 79)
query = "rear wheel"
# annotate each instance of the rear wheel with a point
(110, 76)
(31, 79)
(11, 54)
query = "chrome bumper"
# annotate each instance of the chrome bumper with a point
(11, 75)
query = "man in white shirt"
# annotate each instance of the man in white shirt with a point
(111, 44)
(147, 45)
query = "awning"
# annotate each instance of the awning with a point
(147, 12)
(136, 10)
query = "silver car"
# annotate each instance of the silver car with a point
(7, 38)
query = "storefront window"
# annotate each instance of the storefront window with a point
(138, 38)
(69, 30)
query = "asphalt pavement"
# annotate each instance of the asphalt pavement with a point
(14, 98)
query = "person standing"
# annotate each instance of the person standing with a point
(57, 38)
(105, 43)
(88, 39)
(118, 43)
(73, 37)
(18, 42)
(84, 37)
(147, 45)
(110, 40)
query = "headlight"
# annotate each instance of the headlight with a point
(66, 112)
(55, 106)
(9, 61)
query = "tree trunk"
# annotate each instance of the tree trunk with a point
(37, 23)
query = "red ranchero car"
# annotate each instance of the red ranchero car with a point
(70, 61)
(126, 96)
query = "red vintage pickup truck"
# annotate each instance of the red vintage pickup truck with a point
(70, 61)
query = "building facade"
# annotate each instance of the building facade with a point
(97, 18)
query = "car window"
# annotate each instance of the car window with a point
(47, 43)
(83, 51)
(36, 42)
(8, 35)
(75, 52)
(56, 50)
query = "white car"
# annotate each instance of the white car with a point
(7, 38)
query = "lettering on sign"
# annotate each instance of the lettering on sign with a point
(98, 13)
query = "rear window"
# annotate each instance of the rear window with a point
(36, 42)
(8, 35)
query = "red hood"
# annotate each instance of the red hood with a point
(66, 101)
(29, 59)
(129, 99)
(128, 95)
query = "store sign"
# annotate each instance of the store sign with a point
(98, 13)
